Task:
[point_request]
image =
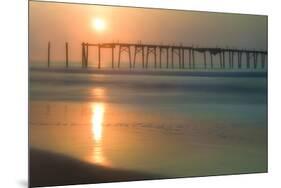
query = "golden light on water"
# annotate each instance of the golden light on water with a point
(97, 132)
(97, 121)
(99, 93)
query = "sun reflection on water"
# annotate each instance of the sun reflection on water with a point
(99, 93)
(97, 133)
(97, 121)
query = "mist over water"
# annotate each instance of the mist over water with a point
(176, 125)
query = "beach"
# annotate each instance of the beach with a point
(51, 169)
(145, 126)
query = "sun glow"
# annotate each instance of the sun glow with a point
(98, 24)
(97, 132)
(97, 121)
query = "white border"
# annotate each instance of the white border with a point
(13, 135)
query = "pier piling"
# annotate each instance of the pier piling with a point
(211, 57)
(49, 53)
(255, 60)
(259, 57)
(189, 58)
(167, 57)
(193, 59)
(66, 54)
(99, 56)
(205, 60)
(182, 63)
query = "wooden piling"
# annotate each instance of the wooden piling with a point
(223, 59)
(66, 55)
(263, 61)
(135, 54)
(220, 60)
(129, 51)
(147, 53)
(112, 57)
(136, 51)
(87, 55)
(160, 57)
(193, 59)
(179, 51)
(142, 56)
(182, 59)
(211, 56)
(83, 56)
(189, 58)
(99, 58)
(155, 57)
(248, 60)
(167, 56)
(255, 60)
(119, 56)
(239, 60)
(232, 59)
(172, 58)
(205, 60)
(229, 59)
(49, 53)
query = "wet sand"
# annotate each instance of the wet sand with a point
(51, 169)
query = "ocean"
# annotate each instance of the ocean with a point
(175, 124)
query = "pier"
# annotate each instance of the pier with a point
(167, 56)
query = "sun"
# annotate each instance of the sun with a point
(98, 24)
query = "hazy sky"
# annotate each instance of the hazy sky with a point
(58, 23)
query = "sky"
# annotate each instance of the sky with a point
(73, 23)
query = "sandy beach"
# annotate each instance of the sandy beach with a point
(51, 169)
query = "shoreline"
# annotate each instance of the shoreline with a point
(157, 72)
(52, 169)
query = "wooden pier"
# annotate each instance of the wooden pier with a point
(171, 54)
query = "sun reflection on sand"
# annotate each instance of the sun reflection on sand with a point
(97, 133)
